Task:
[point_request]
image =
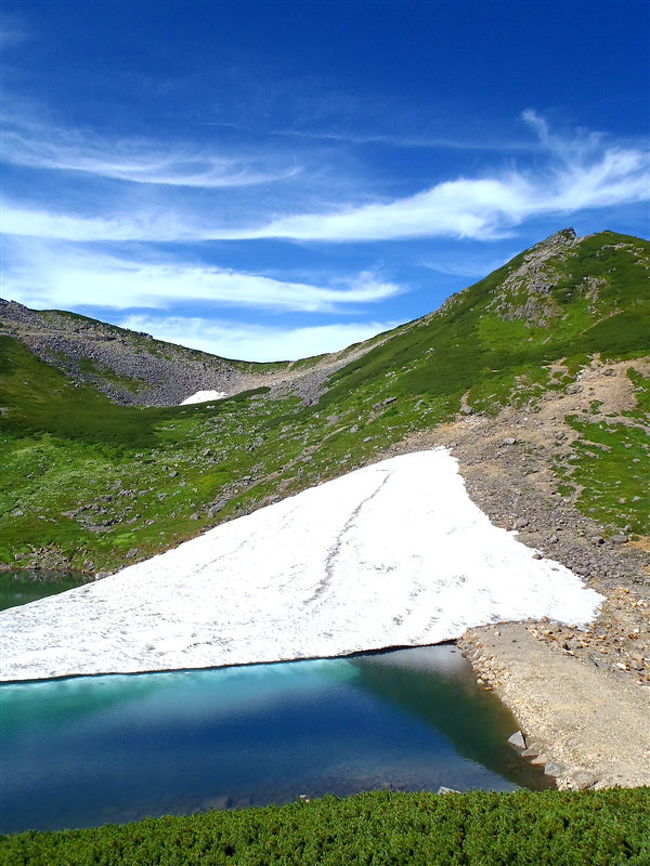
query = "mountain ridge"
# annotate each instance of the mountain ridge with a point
(525, 331)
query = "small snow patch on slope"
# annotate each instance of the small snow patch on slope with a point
(394, 554)
(203, 397)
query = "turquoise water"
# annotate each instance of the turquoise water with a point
(91, 750)
(23, 585)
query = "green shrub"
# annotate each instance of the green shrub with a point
(559, 828)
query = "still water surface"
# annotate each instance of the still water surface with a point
(25, 585)
(91, 750)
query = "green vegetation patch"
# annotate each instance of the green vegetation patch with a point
(596, 828)
(609, 465)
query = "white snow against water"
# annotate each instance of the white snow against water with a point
(203, 397)
(395, 554)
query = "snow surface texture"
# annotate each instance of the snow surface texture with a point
(395, 554)
(203, 397)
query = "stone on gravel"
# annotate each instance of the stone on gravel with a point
(517, 740)
(581, 780)
(553, 769)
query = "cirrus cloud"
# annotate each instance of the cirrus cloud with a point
(255, 342)
(578, 173)
(70, 276)
(32, 145)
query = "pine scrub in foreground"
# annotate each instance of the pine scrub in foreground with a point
(594, 828)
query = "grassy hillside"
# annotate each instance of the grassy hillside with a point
(88, 483)
(594, 828)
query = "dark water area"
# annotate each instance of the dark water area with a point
(24, 585)
(111, 749)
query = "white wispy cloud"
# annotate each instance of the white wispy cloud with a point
(579, 172)
(255, 342)
(135, 160)
(413, 141)
(466, 267)
(69, 276)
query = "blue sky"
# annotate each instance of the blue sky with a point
(275, 179)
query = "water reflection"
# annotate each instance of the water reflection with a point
(85, 751)
(449, 700)
(24, 585)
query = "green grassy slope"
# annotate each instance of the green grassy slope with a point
(480, 828)
(90, 481)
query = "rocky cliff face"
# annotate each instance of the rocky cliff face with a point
(526, 294)
(129, 367)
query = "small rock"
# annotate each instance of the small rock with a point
(620, 539)
(444, 790)
(521, 522)
(553, 539)
(389, 400)
(133, 552)
(537, 556)
(509, 440)
(517, 740)
(553, 769)
(597, 539)
(581, 780)
(102, 574)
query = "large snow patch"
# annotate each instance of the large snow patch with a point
(395, 554)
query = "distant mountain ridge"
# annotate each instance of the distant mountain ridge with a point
(129, 367)
(94, 484)
(134, 368)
